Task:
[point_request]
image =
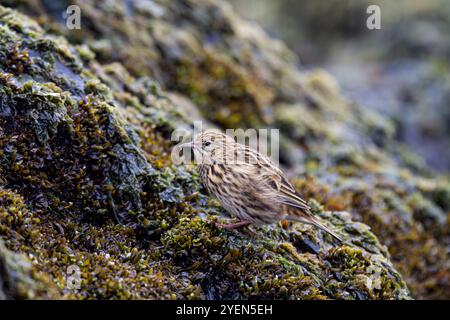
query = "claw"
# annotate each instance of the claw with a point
(232, 226)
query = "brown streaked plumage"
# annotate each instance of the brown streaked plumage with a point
(247, 183)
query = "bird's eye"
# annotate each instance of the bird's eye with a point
(206, 143)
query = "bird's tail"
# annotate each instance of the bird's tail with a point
(310, 219)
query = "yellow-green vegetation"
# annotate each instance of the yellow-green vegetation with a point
(85, 150)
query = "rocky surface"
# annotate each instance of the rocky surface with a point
(86, 177)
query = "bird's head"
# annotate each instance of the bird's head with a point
(211, 146)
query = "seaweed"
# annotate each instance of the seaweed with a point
(85, 143)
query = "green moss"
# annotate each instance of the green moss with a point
(85, 144)
(424, 210)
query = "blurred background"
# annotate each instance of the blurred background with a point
(401, 70)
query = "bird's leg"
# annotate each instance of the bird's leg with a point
(285, 224)
(231, 226)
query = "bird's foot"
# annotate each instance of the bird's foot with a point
(285, 224)
(232, 226)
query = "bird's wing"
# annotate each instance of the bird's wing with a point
(277, 186)
(287, 193)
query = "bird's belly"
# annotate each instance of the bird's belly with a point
(254, 213)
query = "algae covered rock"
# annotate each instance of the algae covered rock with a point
(18, 281)
(18, 278)
(85, 142)
(95, 192)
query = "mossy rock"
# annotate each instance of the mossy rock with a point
(338, 153)
(87, 182)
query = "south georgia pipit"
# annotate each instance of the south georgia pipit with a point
(247, 183)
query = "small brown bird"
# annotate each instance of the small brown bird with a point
(248, 184)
